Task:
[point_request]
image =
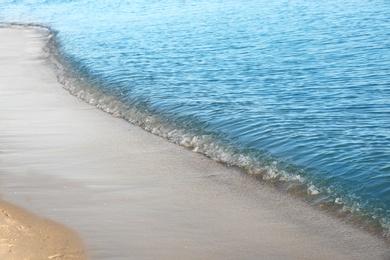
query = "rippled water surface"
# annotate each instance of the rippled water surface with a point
(296, 92)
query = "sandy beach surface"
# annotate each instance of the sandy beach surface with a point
(25, 236)
(130, 194)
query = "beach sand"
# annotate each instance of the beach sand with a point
(132, 195)
(25, 236)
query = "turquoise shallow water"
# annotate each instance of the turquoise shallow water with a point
(295, 92)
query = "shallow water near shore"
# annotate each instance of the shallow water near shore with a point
(295, 93)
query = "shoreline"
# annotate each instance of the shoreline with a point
(130, 194)
(84, 86)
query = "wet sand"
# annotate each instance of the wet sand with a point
(132, 195)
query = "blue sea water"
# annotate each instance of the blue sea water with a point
(297, 93)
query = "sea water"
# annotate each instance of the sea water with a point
(296, 93)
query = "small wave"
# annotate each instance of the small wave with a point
(259, 164)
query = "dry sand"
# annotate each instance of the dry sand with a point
(25, 236)
(133, 195)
